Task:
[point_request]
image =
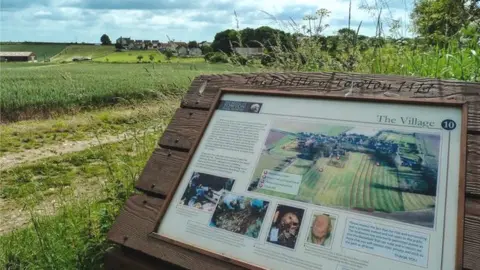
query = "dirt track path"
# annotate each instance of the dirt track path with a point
(45, 66)
(14, 159)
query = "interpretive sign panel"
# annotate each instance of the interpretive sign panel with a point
(281, 180)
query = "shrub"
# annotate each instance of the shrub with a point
(268, 59)
(208, 56)
(168, 54)
(238, 59)
(218, 58)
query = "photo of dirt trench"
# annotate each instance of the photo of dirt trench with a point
(240, 214)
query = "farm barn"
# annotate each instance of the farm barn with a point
(17, 57)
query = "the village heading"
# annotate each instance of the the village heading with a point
(408, 121)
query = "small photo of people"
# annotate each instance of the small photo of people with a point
(239, 214)
(321, 230)
(285, 226)
(204, 191)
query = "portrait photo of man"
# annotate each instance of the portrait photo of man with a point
(321, 230)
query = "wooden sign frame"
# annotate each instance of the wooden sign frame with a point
(139, 248)
(424, 102)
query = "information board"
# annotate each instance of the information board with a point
(306, 182)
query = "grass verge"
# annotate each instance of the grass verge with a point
(75, 237)
(33, 134)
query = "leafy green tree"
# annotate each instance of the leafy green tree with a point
(118, 46)
(206, 49)
(249, 38)
(263, 36)
(443, 18)
(168, 54)
(139, 58)
(151, 57)
(105, 40)
(225, 41)
(192, 44)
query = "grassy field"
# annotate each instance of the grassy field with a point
(29, 92)
(64, 204)
(65, 221)
(132, 57)
(43, 51)
(31, 134)
(92, 51)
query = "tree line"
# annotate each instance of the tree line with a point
(434, 23)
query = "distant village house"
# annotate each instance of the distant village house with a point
(180, 48)
(127, 43)
(194, 52)
(246, 51)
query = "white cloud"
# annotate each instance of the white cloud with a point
(66, 20)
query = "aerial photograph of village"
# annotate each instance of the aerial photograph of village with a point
(381, 172)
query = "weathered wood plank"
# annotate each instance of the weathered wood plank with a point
(184, 128)
(340, 84)
(122, 258)
(471, 248)
(161, 170)
(473, 165)
(138, 218)
(472, 206)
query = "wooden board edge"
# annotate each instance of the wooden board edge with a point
(461, 189)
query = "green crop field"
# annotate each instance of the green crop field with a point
(32, 90)
(92, 51)
(132, 57)
(43, 51)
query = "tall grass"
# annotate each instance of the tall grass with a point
(458, 58)
(75, 236)
(453, 61)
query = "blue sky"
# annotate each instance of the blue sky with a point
(181, 20)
